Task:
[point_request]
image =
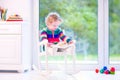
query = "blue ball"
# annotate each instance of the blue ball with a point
(104, 68)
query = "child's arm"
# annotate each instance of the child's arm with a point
(64, 38)
(43, 35)
(43, 38)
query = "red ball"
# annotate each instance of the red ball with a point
(96, 70)
(112, 69)
(106, 71)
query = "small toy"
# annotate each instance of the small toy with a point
(105, 70)
(97, 70)
(101, 71)
(112, 70)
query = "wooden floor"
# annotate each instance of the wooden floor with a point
(57, 75)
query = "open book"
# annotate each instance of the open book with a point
(61, 47)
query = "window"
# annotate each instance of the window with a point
(94, 24)
(111, 33)
(80, 23)
(114, 31)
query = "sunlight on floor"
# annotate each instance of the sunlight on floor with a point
(58, 75)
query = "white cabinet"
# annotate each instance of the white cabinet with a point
(15, 46)
(10, 49)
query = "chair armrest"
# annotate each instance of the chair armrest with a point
(44, 42)
(74, 41)
(63, 45)
(43, 46)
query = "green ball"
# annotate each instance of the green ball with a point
(112, 72)
(102, 71)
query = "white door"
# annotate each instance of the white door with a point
(10, 49)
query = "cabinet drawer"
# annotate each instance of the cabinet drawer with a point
(10, 49)
(10, 29)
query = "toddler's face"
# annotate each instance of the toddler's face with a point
(54, 25)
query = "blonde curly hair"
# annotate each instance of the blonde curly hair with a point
(52, 17)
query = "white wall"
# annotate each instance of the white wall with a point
(21, 7)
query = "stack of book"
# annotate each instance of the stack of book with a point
(15, 18)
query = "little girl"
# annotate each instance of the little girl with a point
(53, 34)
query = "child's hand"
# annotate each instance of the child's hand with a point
(61, 43)
(72, 42)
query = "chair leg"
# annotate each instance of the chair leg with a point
(65, 57)
(46, 56)
(74, 58)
